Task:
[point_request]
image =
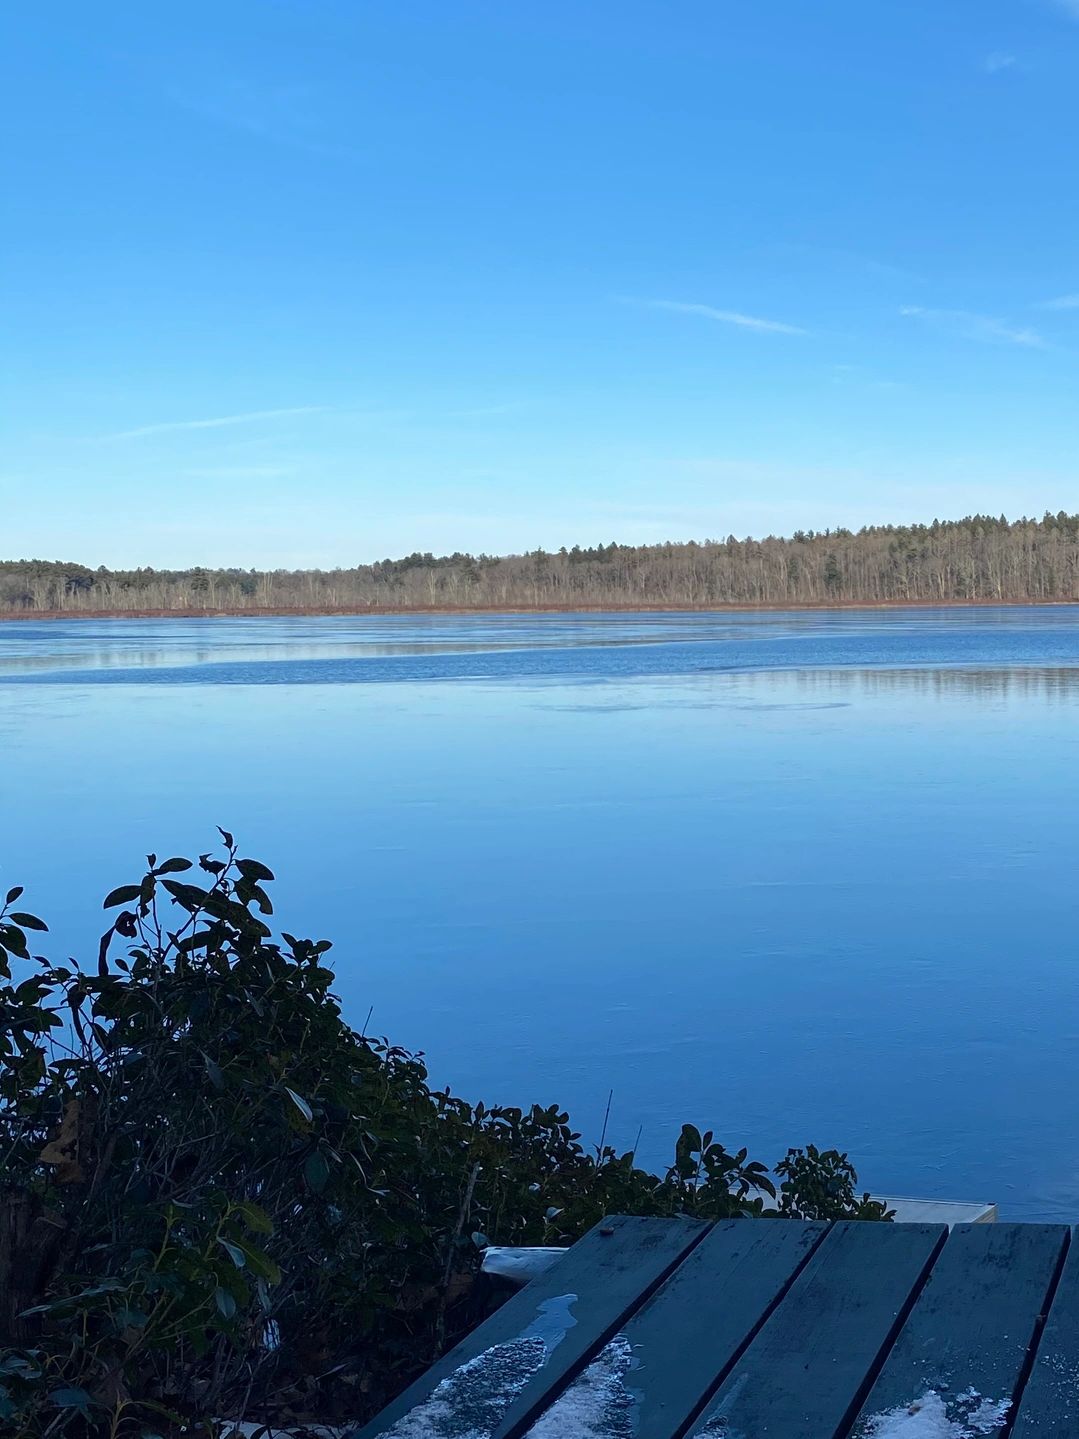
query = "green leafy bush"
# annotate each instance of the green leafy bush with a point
(217, 1198)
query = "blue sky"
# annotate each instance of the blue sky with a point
(318, 281)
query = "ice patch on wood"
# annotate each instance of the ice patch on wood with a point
(519, 1265)
(932, 1416)
(935, 1416)
(471, 1402)
(252, 1429)
(598, 1404)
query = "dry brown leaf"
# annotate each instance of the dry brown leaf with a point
(63, 1150)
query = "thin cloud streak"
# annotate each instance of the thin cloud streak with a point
(217, 423)
(241, 472)
(723, 317)
(287, 115)
(983, 328)
(511, 407)
(853, 259)
(998, 61)
(1062, 302)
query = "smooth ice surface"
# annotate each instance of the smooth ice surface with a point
(789, 876)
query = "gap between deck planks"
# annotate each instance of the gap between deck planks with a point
(665, 1361)
(807, 1371)
(671, 1328)
(500, 1377)
(1049, 1406)
(965, 1348)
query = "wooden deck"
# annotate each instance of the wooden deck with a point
(772, 1329)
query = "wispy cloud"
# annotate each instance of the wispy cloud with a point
(984, 328)
(283, 113)
(482, 412)
(855, 376)
(1070, 7)
(218, 422)
(723, 317)
(852, 260)
(1061, 302)
(240, 472)
(999, 60)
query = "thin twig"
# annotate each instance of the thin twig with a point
(603, 1131)
(466, 1204)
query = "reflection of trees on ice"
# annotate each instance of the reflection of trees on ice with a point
(471, 1402)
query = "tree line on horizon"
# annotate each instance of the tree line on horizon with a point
(979, 558)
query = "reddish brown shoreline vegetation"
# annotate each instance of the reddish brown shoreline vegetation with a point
(351, 611)
(977, 560)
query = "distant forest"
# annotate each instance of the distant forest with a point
(975, 559)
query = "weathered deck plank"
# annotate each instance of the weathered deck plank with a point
(1049, 1408)
(962, 1352)
(741, 1330)
(805, 1373)
(653, 1376)
(495, 1381)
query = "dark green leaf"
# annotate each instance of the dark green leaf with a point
(196, 940)
(691, 1137)
(253, 870)
(189, 895)
(103, 953)
(173, 866)
(234, 1252)
(213, 1070)
(262, 899)
(70, 1398)
(225, 1302)
(13, 894)
(300, 1103)
(316, 1171)
(261, 1264)
(256, 1218)
(18, 1365)
(124, 895)
(29, 921)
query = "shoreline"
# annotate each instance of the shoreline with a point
(382, 611)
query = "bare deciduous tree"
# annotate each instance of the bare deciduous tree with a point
(975, 559)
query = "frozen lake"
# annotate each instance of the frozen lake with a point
(792, 877)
